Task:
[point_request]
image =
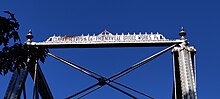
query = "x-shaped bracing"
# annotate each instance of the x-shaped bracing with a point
(107, 81)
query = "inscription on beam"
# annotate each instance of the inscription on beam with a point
(106, 36)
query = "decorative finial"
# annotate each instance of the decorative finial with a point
(182, 33)
(29, 36)
(106, 30)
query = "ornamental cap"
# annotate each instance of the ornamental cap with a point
(182, 33)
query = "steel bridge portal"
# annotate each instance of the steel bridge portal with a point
(184, 64)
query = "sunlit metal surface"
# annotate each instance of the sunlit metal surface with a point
(107, 39)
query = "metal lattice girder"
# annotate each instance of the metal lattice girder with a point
(17, 83)
(184, 73)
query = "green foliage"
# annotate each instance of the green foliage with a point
(18, 55)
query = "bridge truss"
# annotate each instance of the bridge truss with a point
(184, 63)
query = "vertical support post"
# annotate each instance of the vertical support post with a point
(18, 79)
(42, 86)
(24, 92)
(184, 70)
(184, 73)
(16, 83)
(35, 92)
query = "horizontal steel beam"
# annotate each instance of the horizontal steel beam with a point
(106, 44)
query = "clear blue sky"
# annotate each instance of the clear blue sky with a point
(201, 20)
